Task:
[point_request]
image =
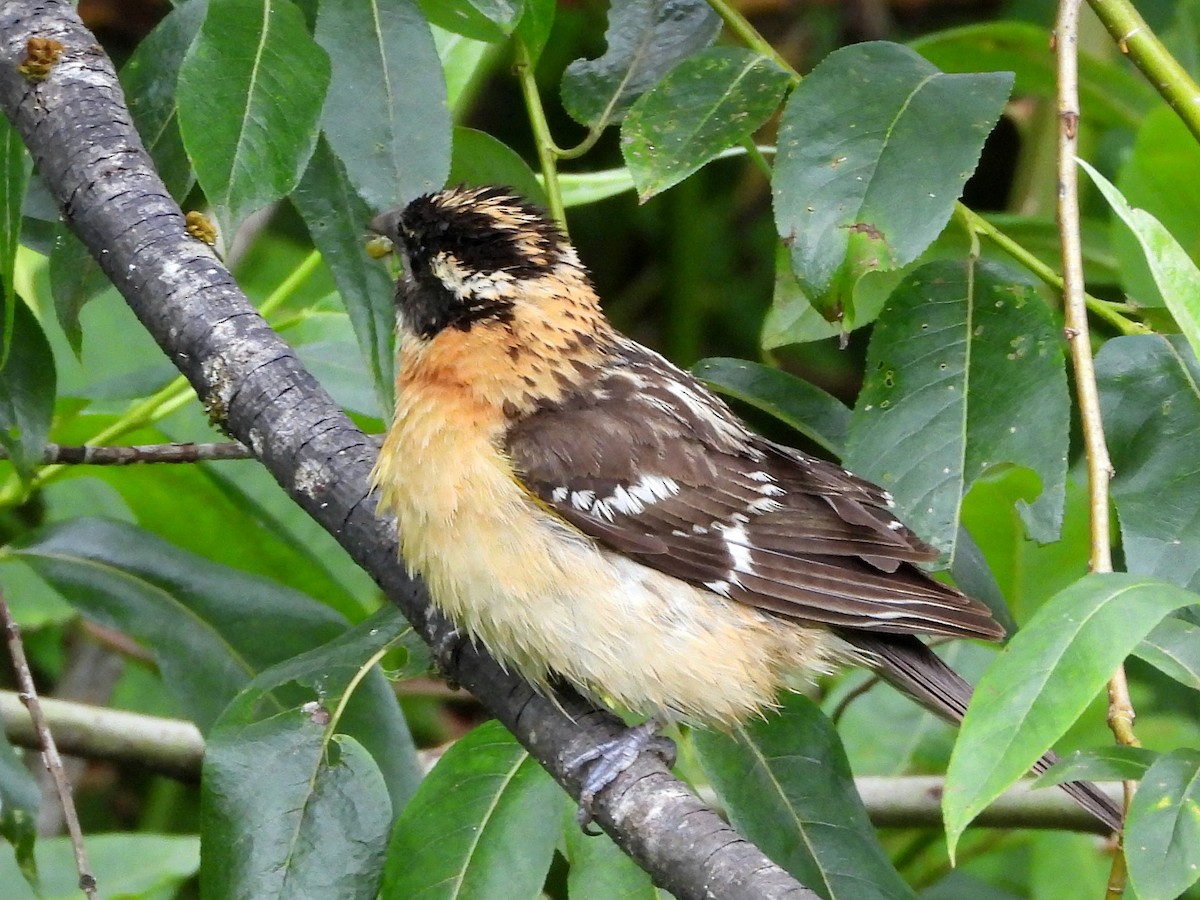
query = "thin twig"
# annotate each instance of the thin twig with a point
(1120, 708)
(28, 696)
(90, 455)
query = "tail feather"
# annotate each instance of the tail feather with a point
(907, 664)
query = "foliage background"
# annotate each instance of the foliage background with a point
(200, 592)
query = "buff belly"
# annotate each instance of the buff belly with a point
(544, 598)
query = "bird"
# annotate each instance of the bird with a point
(590, 512)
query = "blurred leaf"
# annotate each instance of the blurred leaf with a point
(126, 866)
(480, 20)
(584, 188)
(1115, 763)
(480, 159)
(315, 822)
(537, 20)
(598, 868)
(874, 148)
(787, 787)
(336, 218)
(802, 406)
(706, 104)
(27, 389)
(20, 800)
(250, 93)
(15, 167)
(1151, 406)
(211, 628)
(1044, 679)
(385, 115)
(958, 357)
(465, 62)
(1173, 647)
(645, 39)
(149, 79)
(1162, 836)
(1065, 865)
(483, 823)
(1110, 93)
(1177, 277)
(75, 279)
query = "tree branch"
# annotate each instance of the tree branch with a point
(92, 161)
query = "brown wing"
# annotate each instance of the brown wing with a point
(652, 465)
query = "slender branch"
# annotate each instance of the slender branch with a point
(737, 23)
(175, 748)
(548, 152)
(90, 455)
(45, 741)
(1162, 70)
(1120, 708)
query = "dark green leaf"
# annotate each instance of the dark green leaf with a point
(126, 866)
(149, 79)
(27, 389)
(337, 218)
(787, 787)
(1114, 763)
(1044, 679)
(1173, 647)
(334, 359)
(19, 803)
(708, 103)
(1162, 838)
(598, 867)
(15, 167)
(480, 20)
(533, 30)
(645, 39)
(315, 822)
(958, 357)
(481, 159)
(385, 116)
(484, 823)
(250, 93)
(75, 278)
(1110, 94)
(874, 148)
(819, 416)
(1151, 406)
(211, 628)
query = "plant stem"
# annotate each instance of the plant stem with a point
(548, 152)
(290, 285)
(1162, 70)
(736, 22)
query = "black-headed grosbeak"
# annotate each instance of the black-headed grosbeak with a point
(588, 510)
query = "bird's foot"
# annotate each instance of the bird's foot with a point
(612, 758)
(443, 652)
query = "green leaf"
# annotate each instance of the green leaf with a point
(331, 355)
(1043, 680)
(149, 80)
(484, 823)
(27, 389)
(788, 788)
(1111, 95)
(75, 278)
(819, 416)
(645, 39)
(1115, 763)
(211, 628)
(15, 167)
(958, 357)
(1173, 647)
(315, 822)
(537, 20)
(1150, 400)
(126, 866)
(708, 103)
(250, 93)
(1175, 275)
(480, 20)
(19, 803)
(336, 218)
(1162, 837)
(465, 64)
(585, 188)
(598, 868)
(385, 115)
(481, 159)
(874, 148)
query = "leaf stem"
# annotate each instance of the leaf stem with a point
(738, 24)
(1162, 70)
(288, 287)
(1099, 466)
